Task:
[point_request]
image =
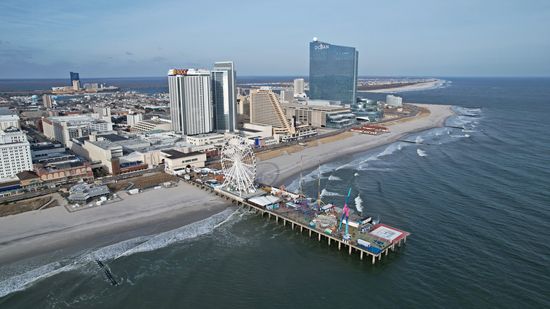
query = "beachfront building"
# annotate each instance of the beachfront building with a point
(63, 169)
(368, 110)
(82, 192)
(394, 101)
(265, 109)
(224, 96)
(319, 116)
(215, 139)
(175, 162)
(64, 128)
(8, 119)
(332, 72)
(191, 109)
(112, 152)
(15, 153)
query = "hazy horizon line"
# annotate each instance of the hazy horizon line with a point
(300, 76)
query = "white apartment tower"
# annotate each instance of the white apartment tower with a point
(224, 96)
(15, 152)
(191, 108)
(299, 87)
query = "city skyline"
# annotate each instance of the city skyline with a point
(428, 38)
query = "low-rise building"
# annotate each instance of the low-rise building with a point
(133, 119)
(394, 101)
(157, 124)
(82, 192)
(109, 150)
(64, 171)
(319, 116)
(40, 151)
(175, 162)
(64, 128)
(206, 139)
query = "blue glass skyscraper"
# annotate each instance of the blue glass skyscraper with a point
(74, 76)
(332, 72)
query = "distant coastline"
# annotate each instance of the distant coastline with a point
(402, 87)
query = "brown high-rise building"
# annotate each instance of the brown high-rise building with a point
(265, 109)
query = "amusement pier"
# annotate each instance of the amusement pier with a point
(364, 235)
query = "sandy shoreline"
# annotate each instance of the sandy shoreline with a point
(415, 87)
(278, 170)
(43, 232)
(57, 232)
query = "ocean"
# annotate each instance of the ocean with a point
(476, 201)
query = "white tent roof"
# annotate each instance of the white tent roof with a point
(264, 200)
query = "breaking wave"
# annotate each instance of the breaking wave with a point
(325, 192)
(125, 248)
(359, 203)
(421, 153)
(334, 178)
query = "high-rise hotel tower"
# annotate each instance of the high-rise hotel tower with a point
(224, 96)
(332, 72)
(191, 108)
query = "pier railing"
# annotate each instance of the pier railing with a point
(294, 225)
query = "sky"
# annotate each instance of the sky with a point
(134, 38)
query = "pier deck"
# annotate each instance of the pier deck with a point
(296, 220)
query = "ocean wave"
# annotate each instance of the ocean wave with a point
(334, 178)
(192, 230)
(359, 203)
(26, 279)
(325, 192)
(421, 153)
(22, 281)
(375, 169)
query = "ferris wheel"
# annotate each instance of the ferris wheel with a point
(238, 165)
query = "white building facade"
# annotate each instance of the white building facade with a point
(65, 128)
(191, 108)
(299, 86)
(15, 152)
(394, 101)
(8, 119)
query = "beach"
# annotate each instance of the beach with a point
(52, 230)
(151, 212)
(276, 171)
(419, 86)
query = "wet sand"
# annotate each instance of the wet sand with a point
(277, 171)
(151, 212)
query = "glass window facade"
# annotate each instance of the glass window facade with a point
(74, 76)
(332, 72)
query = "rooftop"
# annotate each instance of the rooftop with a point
(4, 111)
(176, 154)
